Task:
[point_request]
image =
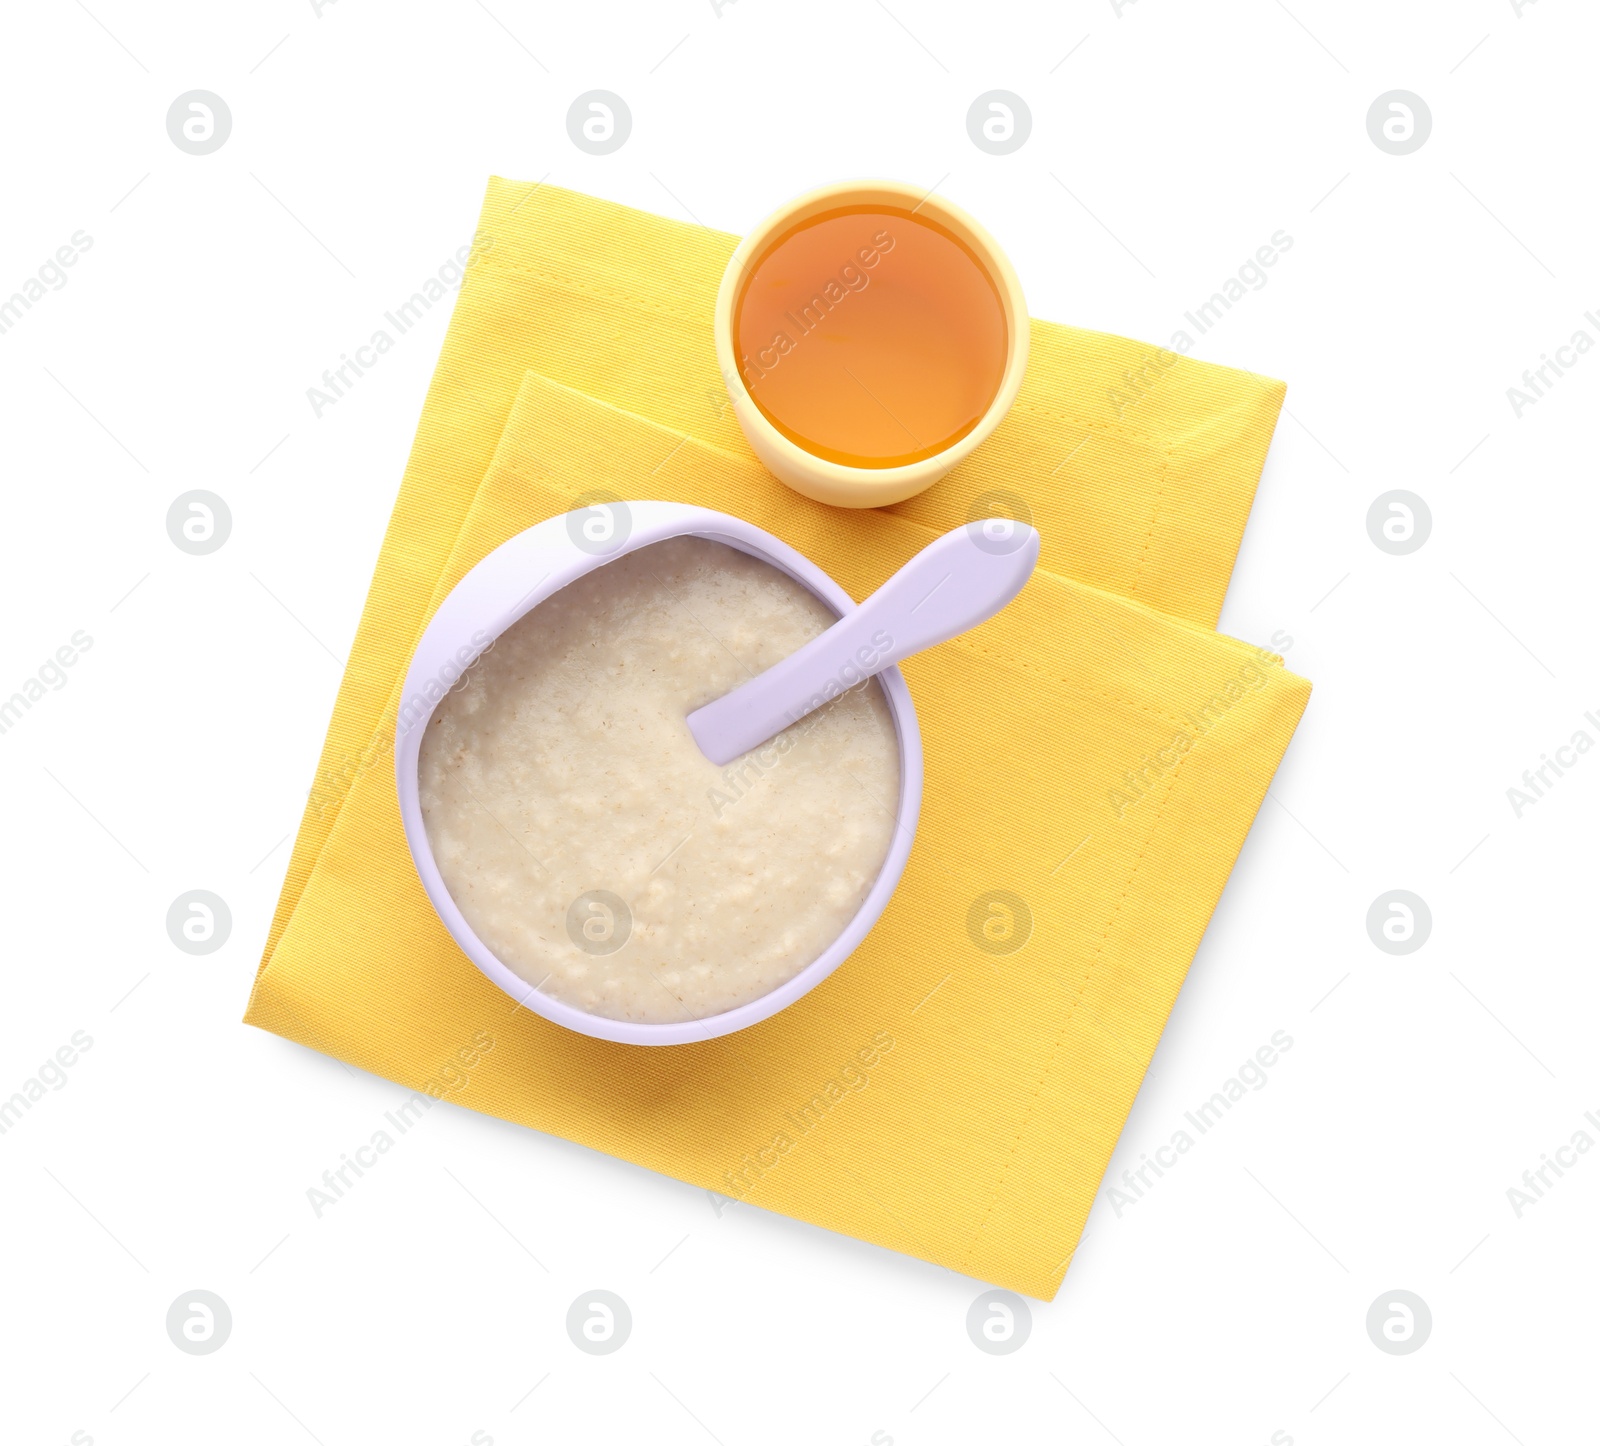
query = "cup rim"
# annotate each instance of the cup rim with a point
(489, 599)
(838, 482)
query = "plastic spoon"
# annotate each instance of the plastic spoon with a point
(962, 579)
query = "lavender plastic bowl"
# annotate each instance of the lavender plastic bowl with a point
(514, 579)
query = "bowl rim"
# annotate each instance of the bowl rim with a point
(492, 596)
(837, 482)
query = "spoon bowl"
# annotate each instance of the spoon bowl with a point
(508, 584)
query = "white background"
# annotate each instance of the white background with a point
(1168, 143)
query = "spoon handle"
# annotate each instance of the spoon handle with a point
(956, 582)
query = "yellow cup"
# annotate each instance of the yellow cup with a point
(835, 482)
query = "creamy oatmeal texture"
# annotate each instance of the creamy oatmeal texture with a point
(560, 780)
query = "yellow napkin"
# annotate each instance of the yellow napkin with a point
(1095, 755)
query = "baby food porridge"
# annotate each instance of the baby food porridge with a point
(592, 846)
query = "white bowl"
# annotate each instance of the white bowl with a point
(515, 578)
